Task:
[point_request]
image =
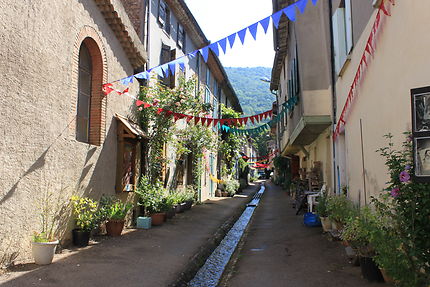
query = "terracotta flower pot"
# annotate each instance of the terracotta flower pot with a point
(157, 218)
(387, 277)
(114, 227)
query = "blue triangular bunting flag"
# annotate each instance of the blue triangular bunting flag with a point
(223, 44)
(172, 67)
(265, 24)
(253, 30)
(242, 34)
(276, 17)
(181, 63)
(193, 54)
(314, 2)
(301, 4)
(127, 80)
(231, 39)
(290, 12)
(214, 48)
(159, 71)
(142, 75)
(165, 69)
(205, 53)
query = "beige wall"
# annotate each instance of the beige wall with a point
(38, 151)
(383, 103)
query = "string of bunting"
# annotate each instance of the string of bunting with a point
(170, 68)
(364, 62)
(288, 105)
(206, 120)
(261, 157)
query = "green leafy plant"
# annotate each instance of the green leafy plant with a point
(151, 195)
(322, 207)
(408, 212)
(340, 209)
(185, 99)
(118, 210)
(358, 231)
(85, 212)
(232, 186)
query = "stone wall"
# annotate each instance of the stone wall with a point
(39, 153)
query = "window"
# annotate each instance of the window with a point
(164, 16)
(167, 55)
(208, 77)
(207, 95)
(84, 95)
(342, 34)
(180, 41)
(216, 108)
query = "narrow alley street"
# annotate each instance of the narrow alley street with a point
(278, 250)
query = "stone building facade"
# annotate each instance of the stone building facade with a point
(59, 131)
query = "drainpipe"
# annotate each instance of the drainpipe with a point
(333, 91)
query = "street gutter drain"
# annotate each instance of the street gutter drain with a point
(210, 273)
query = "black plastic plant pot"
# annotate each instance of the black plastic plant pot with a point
(369, 270)
(80, 237)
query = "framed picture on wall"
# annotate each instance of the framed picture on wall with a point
(422, 156)
(420, 102)
(421, 110)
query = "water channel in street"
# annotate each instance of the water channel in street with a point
(210, 273)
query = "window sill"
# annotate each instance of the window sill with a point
(344, 66)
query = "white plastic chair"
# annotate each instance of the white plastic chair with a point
(312, 198)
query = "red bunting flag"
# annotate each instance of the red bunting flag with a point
(189, 118)
(203, 120)
(107, 89)
(159, 111)
(260, 117)
(252, 119)
(139, 103)
(245, 120)
(216, 121)
(209, 122)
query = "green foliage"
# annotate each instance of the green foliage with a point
(151, 195)
(322, 206)
(42, 237)
(182, 99)
(259, 141)
(230, 144)
(409, 214)
(253, 94)
(85, 212)
(358, 231)
(231, 186)
(340, 209)
(113, 209)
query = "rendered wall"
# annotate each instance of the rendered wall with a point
(38, 151)
(383, 103)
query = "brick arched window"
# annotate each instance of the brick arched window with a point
(90, 103)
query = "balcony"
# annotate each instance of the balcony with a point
(308, 120)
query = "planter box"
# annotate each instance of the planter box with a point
(143, 222)
(80, 237)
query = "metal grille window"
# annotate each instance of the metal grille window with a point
(84, 95)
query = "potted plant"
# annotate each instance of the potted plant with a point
(115, 215)
(43, 247)
(339, 209)
(151, 196)
(358, 232)
(86, 217)
(170, 201)
(322, 211)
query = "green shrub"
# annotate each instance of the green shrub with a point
(340, 209)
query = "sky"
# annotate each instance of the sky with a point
(218, 19)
